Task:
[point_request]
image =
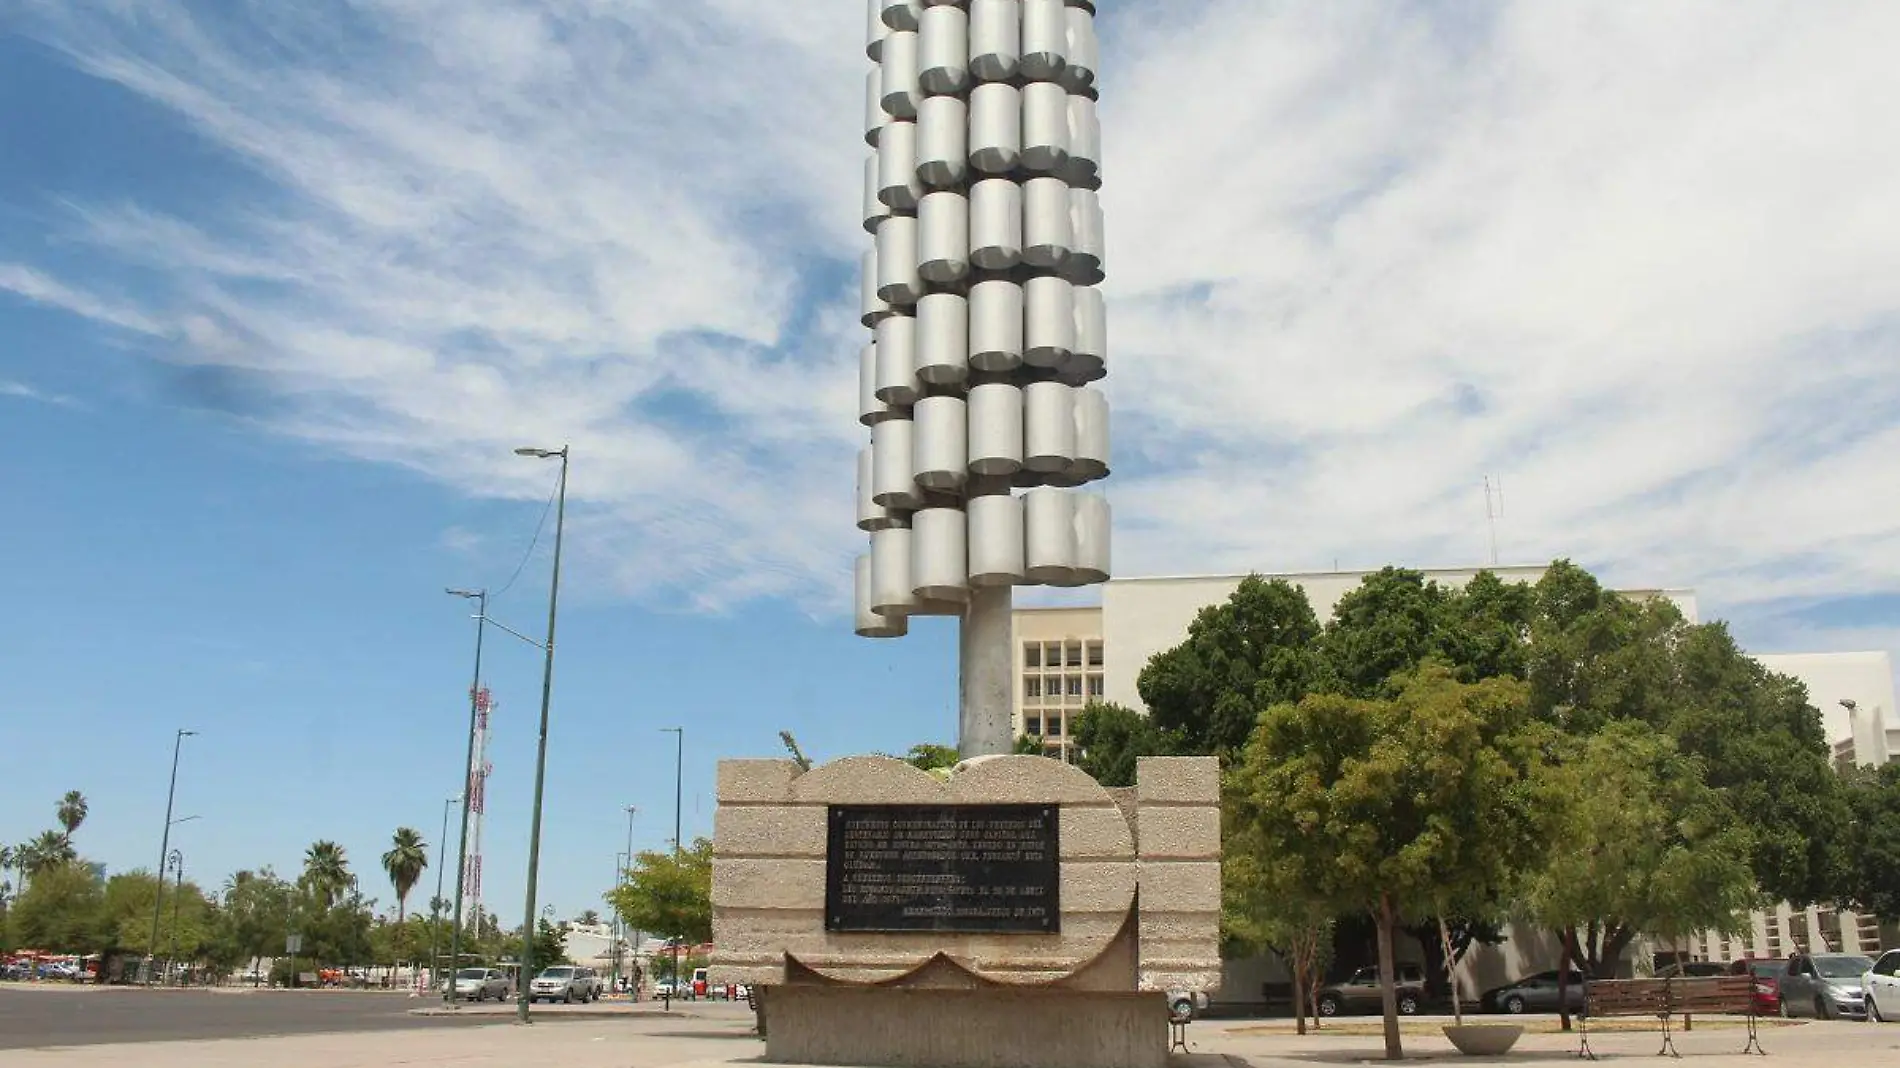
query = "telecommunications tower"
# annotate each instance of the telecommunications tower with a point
(478, 772)
(981, 195)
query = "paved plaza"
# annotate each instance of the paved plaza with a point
(334, 1030)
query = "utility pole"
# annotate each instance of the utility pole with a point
(164, 851)
(541, 748)
(679, 763)
(480, 597)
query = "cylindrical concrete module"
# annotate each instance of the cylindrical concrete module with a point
(902, 93)
(1045, 40)
(871, 515)
(1048, 427)
(940, 562)
(996, 224)
(897, 360)
(874, 114)
(996, 127)
(1091, 434)
(1045, 131)
(1085, 143)
(875, 210)
(1088, 361)
(1084, 49)
(1048, 318)
(943, 64)
(943, 339)
(996, 325)
(943, 145)
(1048, 536)
(897, 182)
(996, 429)
(939, 444)
(871, 410)
(869, 623)
(892, 593)
(893, 484)
(871, 307)
(897, 279)
(996, 540)
(1085, 213)
(943, 236)
(874, 30)
(996, 39)
(1048, 222)
(1092, 533)
(901, 14)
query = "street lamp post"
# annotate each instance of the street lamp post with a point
(178, 892)
(435, 903)
(622, 863)
(679, 764)
(164, 850)
(480, 597)
(541, 746)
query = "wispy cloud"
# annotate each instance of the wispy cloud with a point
(1640, 262)
(23, 391)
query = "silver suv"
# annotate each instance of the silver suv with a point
(565, 982)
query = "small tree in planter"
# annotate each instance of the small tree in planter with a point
(1400, 807)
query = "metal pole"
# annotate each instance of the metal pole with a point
(435, 903)
(164, 850)
(620, 879)
(541, 753)
(679, 763)
(178, 891)
(468, 790)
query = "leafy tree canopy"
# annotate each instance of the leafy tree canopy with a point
(669, 896)
(1873, 880)
(1110, 738)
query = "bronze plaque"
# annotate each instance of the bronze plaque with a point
(970, 868)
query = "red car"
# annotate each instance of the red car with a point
(1767, 972)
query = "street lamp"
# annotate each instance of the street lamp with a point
(480, 597)
(178, 892)
(435, 903)
(679, 763)
(620, 879)
(541, 746)
(164, 848)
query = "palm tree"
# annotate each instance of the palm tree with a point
(407, 857)
(327, 870)
(72, 811)
(50, 850)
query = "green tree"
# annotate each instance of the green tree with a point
(1873, 878)
(257, 913)
(668, 895)
(405, 862)
(1110, 738)
(50, 850)
(61, 911)
(1638, 843)
(1253, 650)
(1265, 906)
(1393, 621)
(1394, 808)
(1027, 746)
(72, 812)
(326, 869)
(931, 756)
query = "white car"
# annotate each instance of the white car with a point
(565, 982)
(1881, 985)
(480, 984)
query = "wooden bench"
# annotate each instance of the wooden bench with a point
(1665, 998)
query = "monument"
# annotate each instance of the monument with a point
(1015, 912)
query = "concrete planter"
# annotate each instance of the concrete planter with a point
(1483, 1040)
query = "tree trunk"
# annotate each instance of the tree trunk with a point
(1296, 958)
(1451, 980)
(1569, 936)
(1388, 977)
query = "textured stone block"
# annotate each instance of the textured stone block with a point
(1099, 886)
(1025, 780)
(1177, 780)
(1192, 979)
(869, 781)
(753, 782)
(1180, 886)
(1188, 832)
(766, 884)
(769, 831)
(1096, 832)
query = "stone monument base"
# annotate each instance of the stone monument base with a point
(988, 1028)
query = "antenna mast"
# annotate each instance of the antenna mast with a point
(1493, 511)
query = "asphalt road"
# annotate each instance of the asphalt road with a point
(34, 1018)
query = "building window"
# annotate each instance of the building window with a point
(1032, 726)
(1095, 654)
(1032, 654)
(1052, 655)
(1095, 686)
(1032, 688)
(1072, 655)
(1055, 727)
(1072, 685)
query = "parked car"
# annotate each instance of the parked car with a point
(1825, 986)
(1767, 972)
(1882, 987)
(565, 982)
(663, 988)
(480, 984)
(1534, 993)
(1360, 992)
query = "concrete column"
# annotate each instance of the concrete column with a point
(984, 681)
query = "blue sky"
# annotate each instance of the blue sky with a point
(281, 287)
